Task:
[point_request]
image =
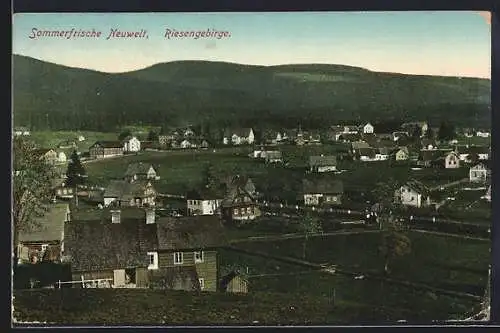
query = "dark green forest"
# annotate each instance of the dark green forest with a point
(217, 94)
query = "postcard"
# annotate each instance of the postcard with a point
(262, 169)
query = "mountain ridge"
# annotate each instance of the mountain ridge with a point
(229, 93)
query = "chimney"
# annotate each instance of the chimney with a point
(150, 215)
(115, 216)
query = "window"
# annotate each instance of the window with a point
(44, 247)
(236, 211)
(199, 256)
(202, 283)
(153, 260)
(178, 258)
(249, 210)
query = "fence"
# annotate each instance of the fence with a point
(94, 283)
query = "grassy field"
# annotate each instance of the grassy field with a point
(147, 307)
(51, 139)
(443, 262)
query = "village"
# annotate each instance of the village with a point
(170, 210)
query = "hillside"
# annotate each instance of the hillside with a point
(57, 97)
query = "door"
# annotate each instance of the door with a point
(118, 278)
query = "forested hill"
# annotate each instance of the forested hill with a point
(176, 93)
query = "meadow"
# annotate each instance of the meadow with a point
(451, 263)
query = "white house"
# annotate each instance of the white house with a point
(204, 202)
(131, 144)
(187, 144)
(21, 131)
(451, 161)
(368, 129)
(478, 173)
(61, 157)
(239, 136)
(322, 163)
(80, 138)
(483, 134)
(413, 194)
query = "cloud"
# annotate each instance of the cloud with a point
(486, 16)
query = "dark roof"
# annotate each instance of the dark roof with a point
(99, 244)
(241, 181)
(108, 144)
(366, 152)
(322, 185)
(418, 187)
(125, 190)
(319, 161)
(48, 227)
(190, 232)
(138, 169)
(42, 151)
(432, 154)
(234, 193)
(359, 144)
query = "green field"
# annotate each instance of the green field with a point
(443, 262)
(51, 139)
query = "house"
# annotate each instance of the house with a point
(21, 131)
(239, 136)
(188, 247)
(402, 154)
(239, 205)
(165, 140)
(322, 190)
(350, 130)
(483, 134)
(237, 284)
(48, 155)
(45, 241)
(204, 202)
(188, 132)
(366, 154)
(103, 149)
(111, 245)
(428, 157)
(131, 144)
(398, 135)
(451, 161)
(322, 163)
(414, 194)
(368, 129)
(479, 173)
(274, 156)
(204, 144)
(138, 193)
(382, 153)
(63, 192)
(357, 145)
(470, 154)
(61, 157)
(80, 138)
(140, 171)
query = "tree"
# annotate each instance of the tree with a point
(32, 188)
(152, 136)
(416, 132)
(75, 174)
(394, 241)
(309, 225)
(209, 179)
(429, 134)
(446, 131)
(124, 134)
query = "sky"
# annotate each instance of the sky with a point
(428, 43)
